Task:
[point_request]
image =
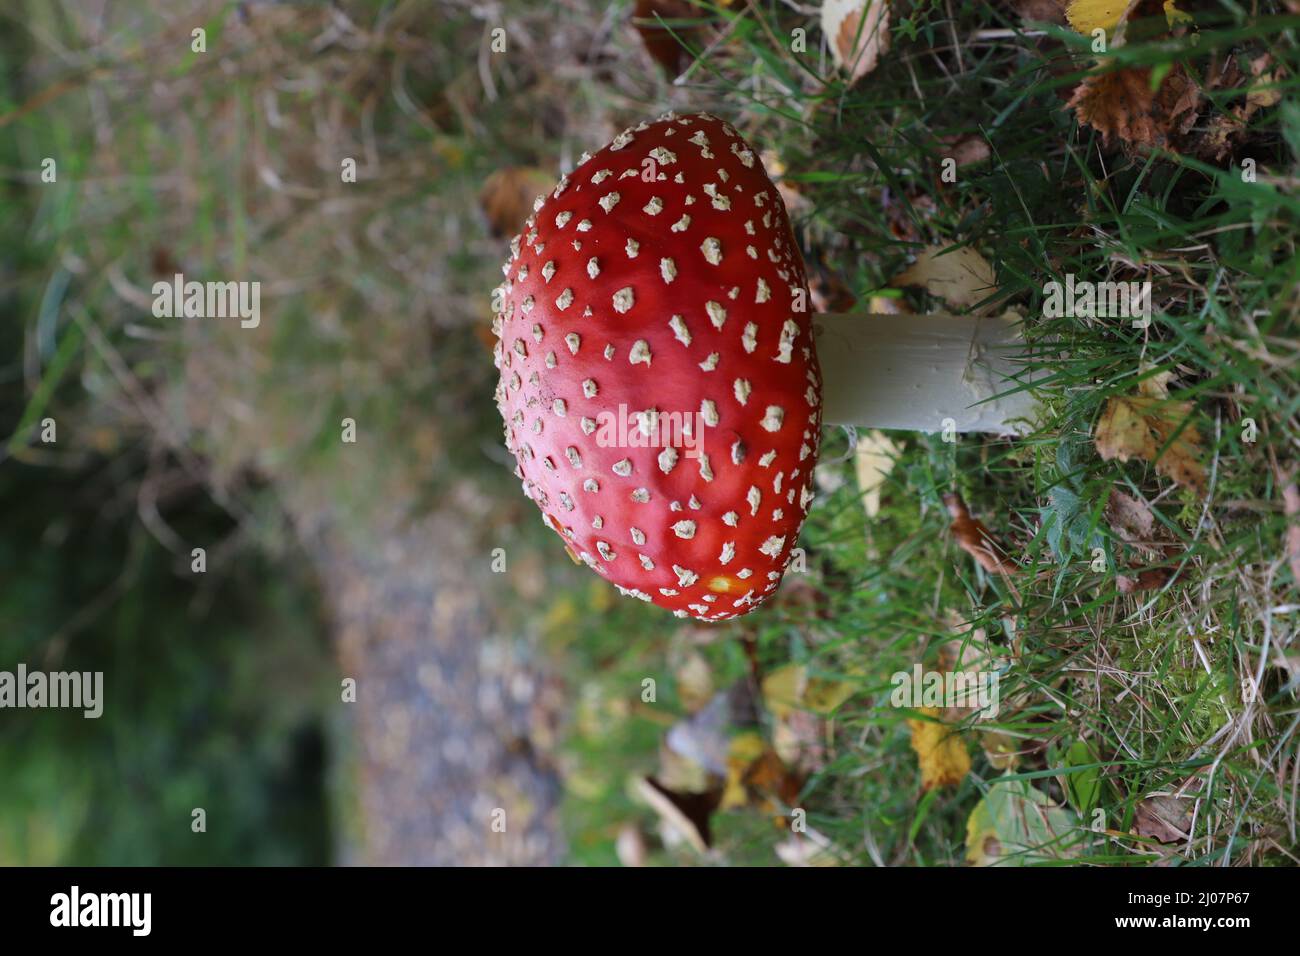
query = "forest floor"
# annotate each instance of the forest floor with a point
(442, 735)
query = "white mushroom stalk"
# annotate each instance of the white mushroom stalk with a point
(929, 373)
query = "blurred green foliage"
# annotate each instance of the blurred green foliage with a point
(218, 709)
(213, 683)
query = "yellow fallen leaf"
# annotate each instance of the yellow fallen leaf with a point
(1155, 386)
(858, 34)
(960, 276)
(873, 459)
(982, 846)
(1174, 16)
(756, 776)
(746, 748)
(801, 706)
(783, 689)
(789, 688)
(822, 695)
(1137, 426)
(1001, 749)
(683, 772)
(940, 750)
(1123, 431)
(1088, 15)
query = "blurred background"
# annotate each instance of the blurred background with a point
(224, 158)
(349, 679)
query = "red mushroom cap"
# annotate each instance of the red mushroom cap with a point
(659, 386)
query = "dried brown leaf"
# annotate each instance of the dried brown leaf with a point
(858, 34)
(1150, 580)
(1225, 130)
(669, 50)
(507, 197)
(1040, 11)
(975, 539)
(1122, 104)
(757, 776)
(968, 149)
(1165, 819)
(829, 294)
(1129, 518)
(960, 276)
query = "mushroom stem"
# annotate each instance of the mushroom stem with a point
(915, 372)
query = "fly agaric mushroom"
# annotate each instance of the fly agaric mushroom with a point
(658, 378)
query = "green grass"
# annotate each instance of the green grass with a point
(1142, 691)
